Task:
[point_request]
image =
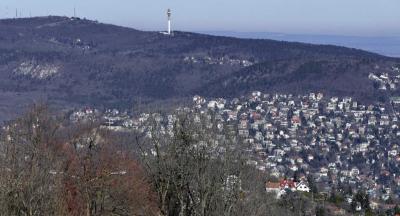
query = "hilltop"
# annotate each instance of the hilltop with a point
(76, 62)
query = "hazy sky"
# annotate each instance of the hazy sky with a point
(342, 17)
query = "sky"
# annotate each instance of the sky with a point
(328, 17)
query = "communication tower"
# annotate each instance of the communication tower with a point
(169, 21)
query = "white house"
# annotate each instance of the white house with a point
(303, 187)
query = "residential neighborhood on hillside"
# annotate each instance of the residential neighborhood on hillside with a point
(303, 142)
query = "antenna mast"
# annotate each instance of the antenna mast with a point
(169, 21)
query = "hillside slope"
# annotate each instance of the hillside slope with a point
(73, 62)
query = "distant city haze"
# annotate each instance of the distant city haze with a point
(375, 19)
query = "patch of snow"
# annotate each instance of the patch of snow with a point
(37, 71)
(219, 61)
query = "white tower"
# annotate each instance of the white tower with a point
(169, 21)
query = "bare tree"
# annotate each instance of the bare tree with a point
(101, 180)
(195, 169)
(198, 168)
(28, 184)
(50, 167)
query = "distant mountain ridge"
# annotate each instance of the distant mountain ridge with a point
(75, 62)
(384, 45)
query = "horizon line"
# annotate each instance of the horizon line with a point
(210, 31)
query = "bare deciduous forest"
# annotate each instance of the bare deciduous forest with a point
(53, 167)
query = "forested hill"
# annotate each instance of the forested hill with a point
(76, 62)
